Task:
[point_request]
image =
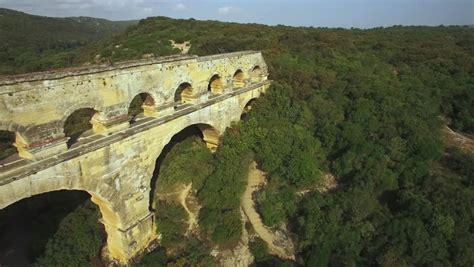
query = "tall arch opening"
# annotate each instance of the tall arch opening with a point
(8, 151)
(204, 134)
(246, 110)
(238, 79)
(49, 228)
(183, 95)
(216, 84)
(78, 125)
(256, 74)
(137, 107)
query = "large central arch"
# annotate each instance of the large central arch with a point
(44, 184)
(208, 133)
(27, 226)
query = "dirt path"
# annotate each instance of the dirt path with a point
(452, 138)
(192, 214)
(183, 195)
(276, 245)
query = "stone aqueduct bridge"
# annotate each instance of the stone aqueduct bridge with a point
(115, 162)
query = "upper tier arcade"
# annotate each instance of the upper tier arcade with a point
(36, 107)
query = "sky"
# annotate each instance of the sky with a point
(317, 13)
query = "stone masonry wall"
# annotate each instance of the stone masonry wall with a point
(117, 175)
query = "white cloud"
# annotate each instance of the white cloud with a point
(225, 10)
(147, 10)
(85, 6)
(117, 3)
(180, 6)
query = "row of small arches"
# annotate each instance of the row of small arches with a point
(184, 94)
(78, 124)
(216, 84)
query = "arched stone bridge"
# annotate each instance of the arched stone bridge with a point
(115, 160)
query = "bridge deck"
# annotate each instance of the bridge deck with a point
(22, 168)
(76, 71)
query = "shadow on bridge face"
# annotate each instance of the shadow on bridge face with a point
(8, 151)
(137, 106)
(183, 94)
(78, 125)
(216, 84)
(238, 79)
(27, 225)
(248, 107)
(256, 74)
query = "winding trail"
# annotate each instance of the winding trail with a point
(183, 195)
(276, 245)
(192, 215)
(463, 141)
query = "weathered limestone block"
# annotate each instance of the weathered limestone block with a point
(151, 110)
(166, 109)
(49, 149)
(104, 126)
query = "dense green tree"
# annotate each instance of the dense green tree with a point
(171, 223)
(188, 161)
(35, 43)
(156, 258)
(78, 240)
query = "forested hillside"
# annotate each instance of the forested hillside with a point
(32, 43)
(366, 106)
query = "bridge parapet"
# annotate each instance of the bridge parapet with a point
(38, 107)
